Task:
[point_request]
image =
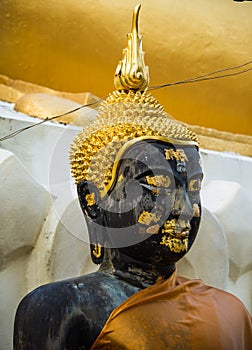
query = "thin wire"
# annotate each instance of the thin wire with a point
(197, 79)
(203, 77)
(15, 133)
(221, 76)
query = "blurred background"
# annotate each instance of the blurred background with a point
(75, 46)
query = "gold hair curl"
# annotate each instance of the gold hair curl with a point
(122, 117)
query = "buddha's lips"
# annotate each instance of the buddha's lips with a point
(171, 228)
(176, 230)
(181, 235)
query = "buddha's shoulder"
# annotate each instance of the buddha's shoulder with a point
(89, 289)
(58, 309)
(221, 299)
(215, 297)
(226, 298)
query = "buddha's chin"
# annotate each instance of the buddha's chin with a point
(175, 244)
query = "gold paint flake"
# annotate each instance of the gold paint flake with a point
(159, 181)
(97, 250)
(179, 154)
(194, 185)
(169, 226)
(90, 198)
(120, 178)
(175, 245)
(175, 227)
(146, 218)
(196, 210)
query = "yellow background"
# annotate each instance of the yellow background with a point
(75, 45)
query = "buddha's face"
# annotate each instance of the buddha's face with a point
(152, 211)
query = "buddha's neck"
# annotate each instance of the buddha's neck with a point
(133, 271)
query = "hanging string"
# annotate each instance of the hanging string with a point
(47, 119)
(208, 76)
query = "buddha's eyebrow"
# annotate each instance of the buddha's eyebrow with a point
(144, 174)
(154, 172)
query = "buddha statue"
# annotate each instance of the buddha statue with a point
(138, 178)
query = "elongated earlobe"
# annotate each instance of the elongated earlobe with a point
(89, 198)
(96, 235)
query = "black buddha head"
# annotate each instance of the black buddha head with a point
(137, 171)
(151, 211)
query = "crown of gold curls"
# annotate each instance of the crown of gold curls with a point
(128, 113)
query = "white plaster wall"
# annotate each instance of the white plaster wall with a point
(43, 236)
(24, 207)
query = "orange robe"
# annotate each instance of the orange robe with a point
(178, 313)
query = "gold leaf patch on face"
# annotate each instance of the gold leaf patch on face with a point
(178, 154)
(194, 185)
(90, 198)
(146, 218)
(196, 210)
(174, 244)
(120, 178)
(159, 181)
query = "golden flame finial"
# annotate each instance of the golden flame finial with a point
(131, 72)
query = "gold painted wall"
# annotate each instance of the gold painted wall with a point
(75, 45)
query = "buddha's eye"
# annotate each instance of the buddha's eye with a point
(133, 189)
(157, 190)
(162, 181)
(157, 184)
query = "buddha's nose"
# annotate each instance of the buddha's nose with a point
(182, 205)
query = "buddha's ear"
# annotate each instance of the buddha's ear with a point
(89, 198)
